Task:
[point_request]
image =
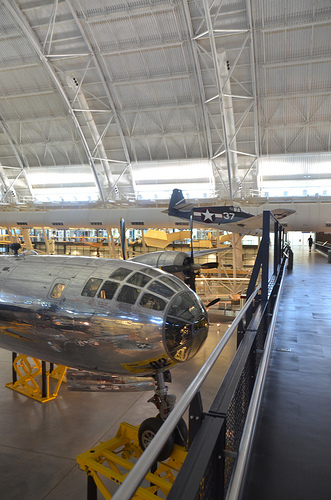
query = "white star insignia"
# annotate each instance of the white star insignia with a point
(208, 215)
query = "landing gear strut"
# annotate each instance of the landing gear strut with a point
(165, 403)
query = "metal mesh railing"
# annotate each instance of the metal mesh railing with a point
(236, 416)
(231, 405)
(208, 485)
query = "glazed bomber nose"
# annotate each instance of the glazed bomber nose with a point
(186, 326)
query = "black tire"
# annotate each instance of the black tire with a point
(147, 431)
(181, 433)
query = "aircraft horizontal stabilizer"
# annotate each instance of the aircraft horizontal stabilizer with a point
(281, 213)
(184, 207)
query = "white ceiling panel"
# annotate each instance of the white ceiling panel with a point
(111, 83)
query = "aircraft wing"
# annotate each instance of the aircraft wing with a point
(256, 221)
(253, 222)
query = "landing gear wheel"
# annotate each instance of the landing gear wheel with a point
(181, 433)
(147, 431)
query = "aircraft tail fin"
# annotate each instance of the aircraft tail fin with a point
(177, 199)
(177, 202)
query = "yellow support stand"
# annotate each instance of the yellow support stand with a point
(29, 373)
(113, 459)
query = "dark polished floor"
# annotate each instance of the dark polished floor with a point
(291, 456)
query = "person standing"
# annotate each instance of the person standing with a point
(310, 242)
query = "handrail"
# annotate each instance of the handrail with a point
(323, 244)
(324, 247)
(145, 462)
(249, 428)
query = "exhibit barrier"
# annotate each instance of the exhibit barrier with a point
(218, 445)
(324, 248)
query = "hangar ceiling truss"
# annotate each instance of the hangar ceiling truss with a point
(137, 84)
(103, 88)
(224, 43)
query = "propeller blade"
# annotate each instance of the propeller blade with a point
(212, 303)
(122, 232)
(210, 265)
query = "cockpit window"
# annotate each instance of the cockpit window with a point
(170, 282)
(150, 301)
(120, 274)
(182, 341)
(185, 327)
(108, 290)
(57, 290)
(152, 272)
(178, 336)
(184, 307)
(91, 287)
(128, 294)
(161, 289)
(139, 279)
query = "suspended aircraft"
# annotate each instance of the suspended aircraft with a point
(308, 214)
(228, 218)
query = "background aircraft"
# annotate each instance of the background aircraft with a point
(228, 218)
(310, 215)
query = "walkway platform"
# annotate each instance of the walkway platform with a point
(291, 453)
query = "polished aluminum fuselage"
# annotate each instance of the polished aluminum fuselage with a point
(91, 333)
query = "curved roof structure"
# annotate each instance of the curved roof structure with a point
(91, 92)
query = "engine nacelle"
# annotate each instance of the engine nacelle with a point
(167, 259)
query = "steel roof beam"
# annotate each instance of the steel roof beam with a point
(17, 14)
(217, 72)
(105, 87)
(20, 160)
(194, 50)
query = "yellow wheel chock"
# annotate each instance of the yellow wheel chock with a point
(112, 460)
(31, 378)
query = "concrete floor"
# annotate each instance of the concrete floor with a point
(39, 442)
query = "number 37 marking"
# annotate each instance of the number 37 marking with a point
(228, 215)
